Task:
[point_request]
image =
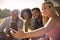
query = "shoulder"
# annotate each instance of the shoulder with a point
(56, 19)
(5, 21)
(20, 19)
(7, 18)
(53, 21)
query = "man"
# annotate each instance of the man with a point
(36, 13)
(37, 16)
(13, 21)
(51, 28)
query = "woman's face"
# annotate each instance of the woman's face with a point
(46, 10)
(26, 16)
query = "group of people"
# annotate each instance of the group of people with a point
(40, 30)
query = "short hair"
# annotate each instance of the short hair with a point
(16, 11)
(28, 11)
(48, 2)
(36, 9)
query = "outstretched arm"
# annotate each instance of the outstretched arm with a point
(38, 32)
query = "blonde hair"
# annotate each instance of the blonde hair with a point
(49, 3)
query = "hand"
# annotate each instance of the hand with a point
(16, 34)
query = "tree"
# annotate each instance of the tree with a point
(0, 12)
(5, 13)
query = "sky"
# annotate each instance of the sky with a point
(20, 4)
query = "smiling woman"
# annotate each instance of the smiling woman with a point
(20, 4)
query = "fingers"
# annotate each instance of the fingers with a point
(12, 30)
(16, 34)
(13, 34)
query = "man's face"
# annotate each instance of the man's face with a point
(14, 15)
(35, 14)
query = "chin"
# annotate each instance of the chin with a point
(35, 18)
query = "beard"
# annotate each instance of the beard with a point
(38, 17)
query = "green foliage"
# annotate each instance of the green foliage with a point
(5, 13)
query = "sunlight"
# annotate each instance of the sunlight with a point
(20, 4)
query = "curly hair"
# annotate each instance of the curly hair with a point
(28, 11)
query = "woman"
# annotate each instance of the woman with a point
(30, 23)
(27, 15)
(51, 28)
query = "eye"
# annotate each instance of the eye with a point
(49, 6)
(44, 8)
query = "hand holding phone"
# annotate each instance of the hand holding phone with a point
(12, 30)
(14, 26)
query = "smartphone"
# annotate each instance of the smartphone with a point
(14, 26)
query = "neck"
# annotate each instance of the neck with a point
(39, 19)
(28, 20)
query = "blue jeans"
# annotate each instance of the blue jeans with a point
(1, 37)
(16, 39)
